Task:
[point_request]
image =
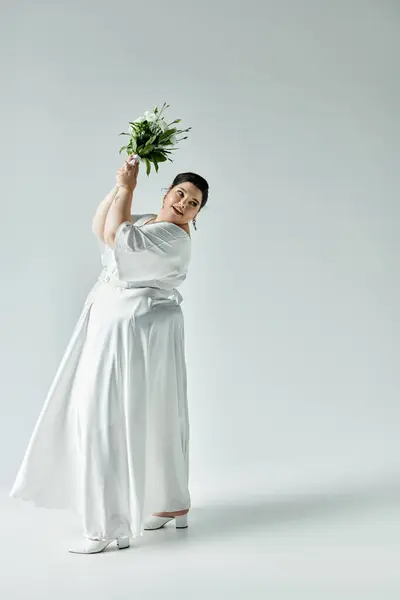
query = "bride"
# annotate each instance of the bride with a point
(112, 439)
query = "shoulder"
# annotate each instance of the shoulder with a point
(141, 218)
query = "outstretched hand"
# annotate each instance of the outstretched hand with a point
(127, 175)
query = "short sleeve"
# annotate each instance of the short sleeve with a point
(102, 245)
(135, 218)
(154, 253)
(129, 238)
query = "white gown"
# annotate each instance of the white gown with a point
(112, 439)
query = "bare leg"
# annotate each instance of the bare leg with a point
(172, 514)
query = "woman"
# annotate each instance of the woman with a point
(112, 439)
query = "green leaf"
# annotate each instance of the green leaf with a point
(167, 134)
(159, 156)
(148, 166)
(147, 150)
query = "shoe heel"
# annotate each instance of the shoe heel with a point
(181, 521)
(123, 543)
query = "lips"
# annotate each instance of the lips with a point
(177, 211)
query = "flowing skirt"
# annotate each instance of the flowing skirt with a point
(112, 439)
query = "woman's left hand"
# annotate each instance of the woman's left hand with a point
(127, 175)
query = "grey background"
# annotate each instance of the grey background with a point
(292, 302)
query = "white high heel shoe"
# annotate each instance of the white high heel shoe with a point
(88, 546)
(156, 522)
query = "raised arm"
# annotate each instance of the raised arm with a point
(99, 219)
(121, 205)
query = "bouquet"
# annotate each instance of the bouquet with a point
(152, 139)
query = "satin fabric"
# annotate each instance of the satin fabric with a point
(112, 439)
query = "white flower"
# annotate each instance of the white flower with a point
(139, 120)
(150, 116)
(173, 139)
(163, 125)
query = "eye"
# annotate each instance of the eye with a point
(180, 192)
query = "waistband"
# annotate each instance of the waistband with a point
(153, 292)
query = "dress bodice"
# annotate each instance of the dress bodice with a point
(153, 254)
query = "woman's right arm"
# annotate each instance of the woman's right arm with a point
(99, 220)
(100, 217)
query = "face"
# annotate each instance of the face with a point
(182, 203)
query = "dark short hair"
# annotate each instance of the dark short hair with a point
(197, 180)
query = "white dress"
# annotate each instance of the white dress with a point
(112, 439)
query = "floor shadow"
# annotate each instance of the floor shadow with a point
(259, 514)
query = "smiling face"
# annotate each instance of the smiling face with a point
(181, 203)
